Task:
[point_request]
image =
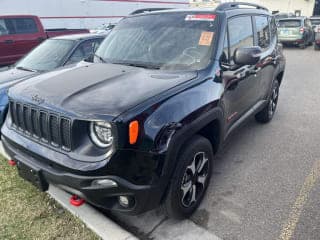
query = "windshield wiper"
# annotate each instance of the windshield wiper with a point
(100, 58)
(26, 69)
(141, 65)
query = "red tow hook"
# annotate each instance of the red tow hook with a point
(76, 201)
(12, 162)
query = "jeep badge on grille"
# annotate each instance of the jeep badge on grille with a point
(36, 98)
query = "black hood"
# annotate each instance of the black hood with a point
(97, 89)
(9, 76)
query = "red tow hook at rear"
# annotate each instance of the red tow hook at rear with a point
(12, 162)
(76, 201)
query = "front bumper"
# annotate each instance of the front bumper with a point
(142, 197)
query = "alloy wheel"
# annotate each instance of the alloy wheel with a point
(194, 179)
(273, 101)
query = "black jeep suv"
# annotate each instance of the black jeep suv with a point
(140, 125)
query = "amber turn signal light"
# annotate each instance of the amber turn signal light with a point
(133, 132)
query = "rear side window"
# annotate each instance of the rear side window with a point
(263, 31)
(240, 33)
(24, 25)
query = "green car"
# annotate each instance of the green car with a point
(295, 31)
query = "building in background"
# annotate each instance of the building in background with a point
(304, 7)
(82, 13)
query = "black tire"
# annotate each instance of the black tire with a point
(316, 47)
(267, 113)
(302, 45)
(179, 203)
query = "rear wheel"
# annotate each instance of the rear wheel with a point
(190, 179)
(266, 114)
(316, 47)
(302, 45)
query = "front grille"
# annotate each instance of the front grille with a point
(46, 126)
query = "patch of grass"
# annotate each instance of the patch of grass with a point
(26, 213)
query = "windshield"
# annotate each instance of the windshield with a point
(289, 23)
(315, 21)
(175, 41)
(47, 56)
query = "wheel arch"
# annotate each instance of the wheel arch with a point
(207, 125)
(279, 77)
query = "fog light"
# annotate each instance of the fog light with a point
(104, 183)
(124, 201)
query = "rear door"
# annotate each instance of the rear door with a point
(266, 32)
(241, 91)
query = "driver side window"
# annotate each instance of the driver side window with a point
(240, 33)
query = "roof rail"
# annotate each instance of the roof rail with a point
(233, 5)
(147, 10)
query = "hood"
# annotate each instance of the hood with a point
(98, 89)
(12, 74)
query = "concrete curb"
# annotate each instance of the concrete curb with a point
(96, 221)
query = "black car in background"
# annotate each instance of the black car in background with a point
(315, 21)
(140, 126)
(51, 54)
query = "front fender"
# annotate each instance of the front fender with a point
(183, 110)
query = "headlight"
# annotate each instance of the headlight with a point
(101, 134)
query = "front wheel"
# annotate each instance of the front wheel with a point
(267, 113)
(190, 179)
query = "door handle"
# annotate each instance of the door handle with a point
(275, 59)
(9, 41)
(255, 71)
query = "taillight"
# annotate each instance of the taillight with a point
(301, 30)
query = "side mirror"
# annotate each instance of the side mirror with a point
(89, 58)
(247, 55)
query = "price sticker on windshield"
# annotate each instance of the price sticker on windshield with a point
(206, 38)
(201, 17)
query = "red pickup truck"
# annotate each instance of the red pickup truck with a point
(20, 33)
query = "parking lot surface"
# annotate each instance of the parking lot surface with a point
(265, 183)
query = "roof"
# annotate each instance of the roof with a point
(80, 37)
(232, 8)
(230, 11)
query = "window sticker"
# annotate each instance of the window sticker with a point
(206, 38)
(201, 17)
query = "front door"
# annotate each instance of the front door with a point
(240, 83)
